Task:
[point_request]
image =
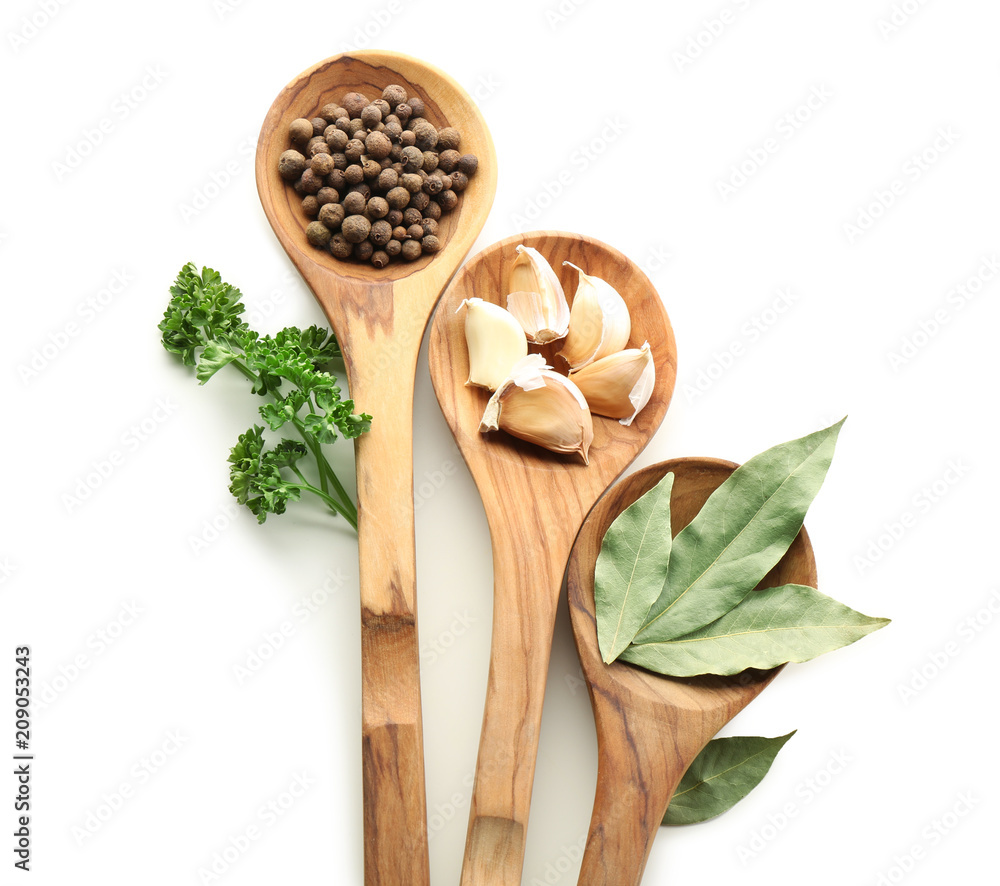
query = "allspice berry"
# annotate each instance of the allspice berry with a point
(300, 131)
(426, 135)
(403, 111)
(411, 250)
(371, 116)
(459, 181)
(364, 250)
(327, 195)
(354, 203)
(378, 207)
(413, 159)
(332, 215)
(380, 258)
(310, 182)
(416, 106)
(340, 247)
(448, 139)
(354, 103)
(310, 205)
(387, 180)
(331, 112)
(354, 174)
(381, 232)
(337, 139)
(317, 233)
(318, 125)
(447, 200)
(468, 164)
(430, 243)
(355, 228)
(411, 181)
(448, 160)
(394, 94)
(398, 198)
(321, 164)
(393, 248)
(377, 145)
(354, 150)
(291, 165)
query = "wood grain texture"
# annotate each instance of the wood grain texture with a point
(379, 317)
(535, 502)
(649, 727)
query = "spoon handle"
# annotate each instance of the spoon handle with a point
(639, 767)
(395, 806)
(526, 585)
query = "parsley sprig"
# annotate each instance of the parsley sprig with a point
(203, 325)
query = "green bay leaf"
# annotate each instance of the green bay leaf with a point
(741, 531)
(725, 771)
(771, 626)
(631, 568)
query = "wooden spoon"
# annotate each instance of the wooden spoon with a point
(379, 318)
(535, 502)
(649, 727)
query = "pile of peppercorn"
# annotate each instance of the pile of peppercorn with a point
(376, 176)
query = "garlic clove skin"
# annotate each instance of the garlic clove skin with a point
(619, 385)
(599, 322)
(496, 342)
(536, 297)
(542, 407)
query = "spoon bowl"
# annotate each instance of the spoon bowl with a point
(650, 727)
(379, 317)
(535, 502)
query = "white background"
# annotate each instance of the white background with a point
(642, 110)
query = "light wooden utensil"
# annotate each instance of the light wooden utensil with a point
(379, 318)
(649, 727)
(535, 502)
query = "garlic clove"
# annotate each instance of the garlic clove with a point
(542, 407)
(536, 297)
(496, 342)
(599, 322)
(619, 385)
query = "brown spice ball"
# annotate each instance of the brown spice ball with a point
(363, 189)
(337, 139)
(291, 165)
(343, 124)
(411, 250)
(399, 233)
(332, 215)
(447, 200)
(387, 180)
(394, 94)
(340, 161)
(398, 198)
(354, 103)
(380, 258)
(411, 181)
(372, 169)
(378, 207)
(407, 139)
(310, 205)
(433, 211)
(430, 243)
(394, 217)
(420, 200)
(340, 247)
(417, 106)
(371, 116)
(413, 159)
(449, 139)
(336, 179)
(381, 232)
(311, 144)
(429, 225)
(430, 161)
(318, 125)
(355, 149)
(411, 216)
(468, 164)
(354, 174)
(403, 111)
(317, 233)
(326, 195)
(393, 248)
(355, 127)
(426, 135)
(300, 131)
(383, 106)
(354, 203)
(355, 228)
(364, 250)
(392, 130)
(331, 112)
(311, 183)
(448, 160)
(433, 185)
(321, 164)
(377, 145)
(396, 155)
(459, 181)
(415, 231)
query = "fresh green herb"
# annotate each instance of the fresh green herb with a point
(203, 325)
(725, 771)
